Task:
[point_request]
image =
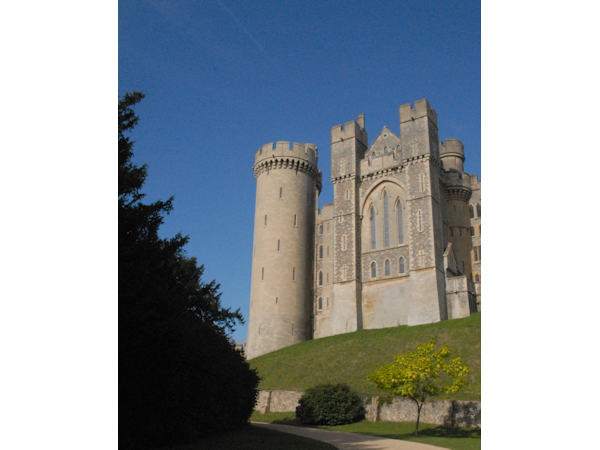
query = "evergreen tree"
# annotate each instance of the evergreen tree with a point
(179, 374)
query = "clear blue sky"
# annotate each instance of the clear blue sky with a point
(223, 77)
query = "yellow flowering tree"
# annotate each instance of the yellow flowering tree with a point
(421, 373)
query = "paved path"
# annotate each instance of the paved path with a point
(347, 440)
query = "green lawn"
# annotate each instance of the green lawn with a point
(348, 358)
(254, 438)
(459, 439)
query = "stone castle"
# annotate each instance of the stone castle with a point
(399, 245)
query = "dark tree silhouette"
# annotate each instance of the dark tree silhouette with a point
(179, 374)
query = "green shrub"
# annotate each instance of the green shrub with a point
(330, 404)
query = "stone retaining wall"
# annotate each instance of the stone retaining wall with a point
(440, 412)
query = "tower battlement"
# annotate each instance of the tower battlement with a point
(350, 129)
(422, 108)
(307, 152)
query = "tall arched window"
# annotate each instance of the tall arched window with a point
(386, 220)
(320, 251)
(320, 302)
(373, 270)
(401, 265)
(320, 229)
(387, 267)
(400, 227)
(471, 213)
(373, 229)
(320, 278)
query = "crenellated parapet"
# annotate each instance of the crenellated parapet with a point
(422, 108)
(283, 155)
(353, 129)
(307, 152)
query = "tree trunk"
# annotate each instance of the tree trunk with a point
(419, 406)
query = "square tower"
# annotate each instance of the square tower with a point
(348, 145)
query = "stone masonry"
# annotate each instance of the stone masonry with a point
(399, 245)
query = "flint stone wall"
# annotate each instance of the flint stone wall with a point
(449, 413)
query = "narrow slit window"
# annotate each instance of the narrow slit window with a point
(471, 213)
(320, 302)
(293, 273)
(320, 229)
(387, 267)
(386, 220)
(295, 221)
(400, 226)
(278, 244)
(475, 254)
(320, 278)
(478, 210)
(373, 230)
(262, 273)
(472, 231)
(265, 219)
(321, 251)
(401, 265)
(280, 192)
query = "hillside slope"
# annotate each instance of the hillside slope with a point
(348, 358)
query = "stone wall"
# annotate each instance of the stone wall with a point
(449, 413)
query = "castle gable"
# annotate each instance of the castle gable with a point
(386, 143)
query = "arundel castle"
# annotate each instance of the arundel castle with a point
(399, 245)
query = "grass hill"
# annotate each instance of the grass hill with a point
(348, 358)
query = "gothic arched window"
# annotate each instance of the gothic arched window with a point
(387, 267)
(373, 270)
(400, 227)
(401, 265)
(373, 230)
(320, 278)
(386, 220)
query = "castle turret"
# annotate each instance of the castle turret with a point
(287, 181)
(452, 154)
(458, 187)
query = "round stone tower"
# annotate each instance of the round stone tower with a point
(287, 186)
(458, 189)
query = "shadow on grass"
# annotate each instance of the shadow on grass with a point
(440, 431)
(288, 421)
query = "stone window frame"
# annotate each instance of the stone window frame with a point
(400, 221)
(402, 265)
(320, 278)
(373, 225)
(373, 267)
(386, 219)
(387, 268)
